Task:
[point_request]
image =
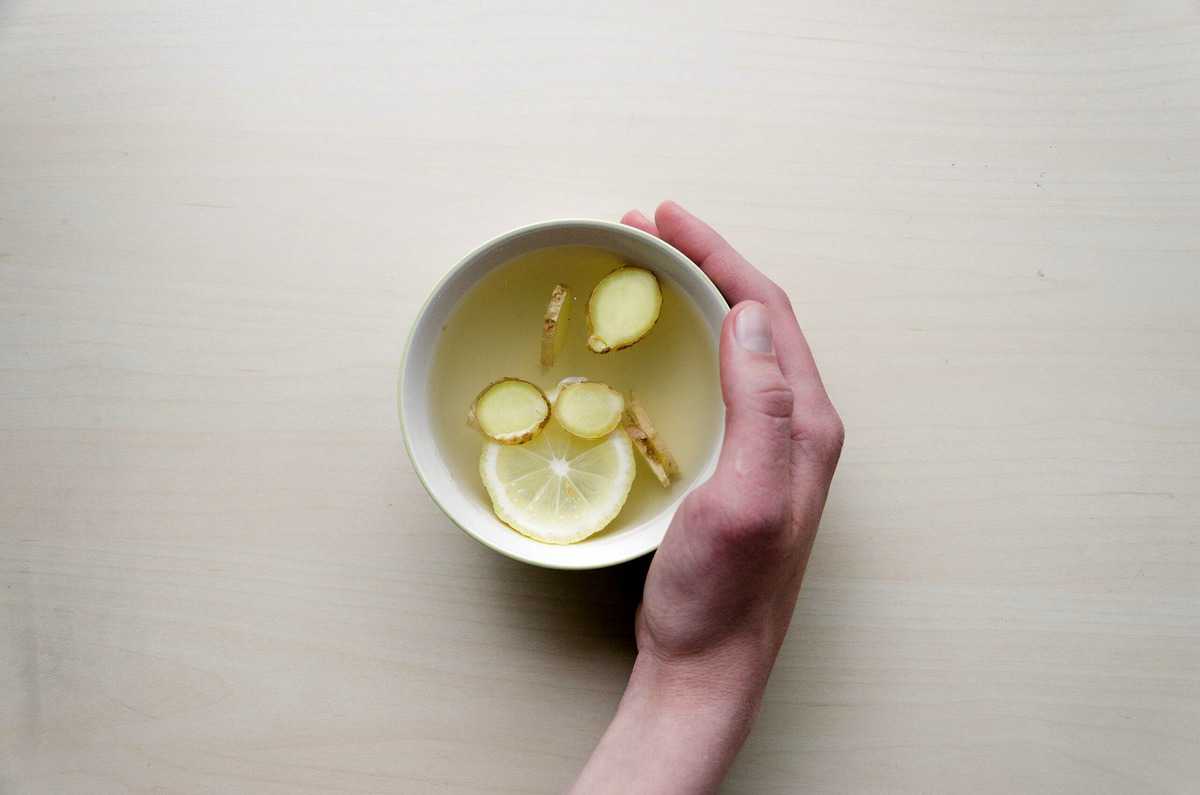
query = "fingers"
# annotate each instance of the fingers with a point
(817, 431)
(755, 459)
(733, 275)
(741, 281)
(637, 220)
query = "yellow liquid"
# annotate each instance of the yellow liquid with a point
(495, 331)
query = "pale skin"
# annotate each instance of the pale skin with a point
(721, 589)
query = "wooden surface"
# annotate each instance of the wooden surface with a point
(217, 571)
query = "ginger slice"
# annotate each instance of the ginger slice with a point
(510, 411)
(622, 309)
(589, 409)
(552, 395)
(554, 324)
(647, 441)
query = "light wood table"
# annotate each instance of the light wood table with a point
(218, 573)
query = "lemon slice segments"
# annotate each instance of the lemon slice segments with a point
(558, 488)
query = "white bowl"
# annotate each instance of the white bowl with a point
(468, 510)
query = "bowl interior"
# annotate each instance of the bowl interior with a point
(465, 507)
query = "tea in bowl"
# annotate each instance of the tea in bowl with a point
(560, 392)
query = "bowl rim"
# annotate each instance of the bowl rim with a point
(611, 226)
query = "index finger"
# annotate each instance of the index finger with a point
(741, 281)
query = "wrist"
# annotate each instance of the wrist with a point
(677, 729)
(681, 724)
(683, 717)
(720, 686)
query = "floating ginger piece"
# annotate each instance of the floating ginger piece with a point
(588, 409)
(510, 411)
(647, 441)
(552, 395)
(554, 324)
(622, 309)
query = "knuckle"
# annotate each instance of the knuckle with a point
(824, 434)
(774, 398)
(778, 296)
(760, 522)
(767, 518)
(834, 434)
(734, 521)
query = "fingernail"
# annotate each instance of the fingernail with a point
(640, 216)
(752, 328)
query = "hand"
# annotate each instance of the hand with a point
(721, 590)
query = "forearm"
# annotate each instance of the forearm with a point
(676, 731)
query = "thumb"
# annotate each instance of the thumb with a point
(756, 456)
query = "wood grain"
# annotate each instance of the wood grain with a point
(217, 571)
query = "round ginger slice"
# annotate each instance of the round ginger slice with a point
(588, 409)
(554, 324)
(552, 395)
(622, 309)
(510, 411)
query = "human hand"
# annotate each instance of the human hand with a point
(720, 592)
(721, 589)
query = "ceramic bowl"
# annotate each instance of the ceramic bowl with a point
(468, 509)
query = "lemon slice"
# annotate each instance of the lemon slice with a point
(559, 488)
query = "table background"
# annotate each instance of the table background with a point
(218, 573)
